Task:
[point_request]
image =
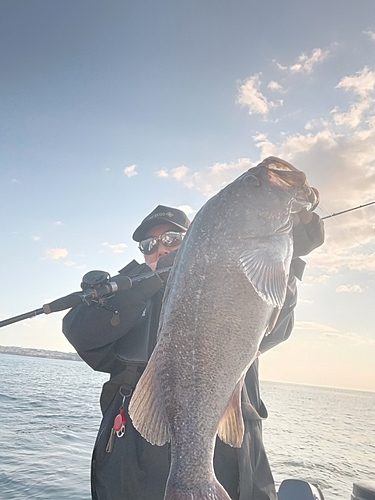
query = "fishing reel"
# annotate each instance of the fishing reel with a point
(94, 279)
(97, 288)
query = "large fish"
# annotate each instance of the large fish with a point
(223, 295)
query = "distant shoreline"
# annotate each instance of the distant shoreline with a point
(39, 353)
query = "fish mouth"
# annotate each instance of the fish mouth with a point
(284, 175)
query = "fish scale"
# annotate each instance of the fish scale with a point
(223, 295)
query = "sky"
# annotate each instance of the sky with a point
(111, 108)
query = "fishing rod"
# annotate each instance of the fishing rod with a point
(348, 210)
(97, 287)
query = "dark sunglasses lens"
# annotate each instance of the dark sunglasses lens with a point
(171, 238)
(148, 246)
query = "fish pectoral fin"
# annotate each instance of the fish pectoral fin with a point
(266, 274)
(146, 408)
(231, 427)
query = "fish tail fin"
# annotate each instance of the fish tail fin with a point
(208, 491)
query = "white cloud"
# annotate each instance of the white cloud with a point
(116, 248)
(249, 95)
(56, 253)
(362, 83)
(69, 263)
(36, 238)
(212, 179)
(332, 258)
(321, 278)
(293, 147)
(130, 171)
(186, 209)
(162, 173)
(330, 333)
(265, 145)
(353, 117)
(274, 86)
(349, 288)
(305, 63)
(314, 326)
(179, 173)
(371, 34)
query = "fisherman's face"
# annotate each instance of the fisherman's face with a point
(152, 259)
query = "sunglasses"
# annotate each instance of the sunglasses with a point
(169, 239)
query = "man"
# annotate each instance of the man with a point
(118, 337)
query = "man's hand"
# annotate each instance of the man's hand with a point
(166, 261)
(305, 216)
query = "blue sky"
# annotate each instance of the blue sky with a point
(109, 109)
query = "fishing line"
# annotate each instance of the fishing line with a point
(342, 227)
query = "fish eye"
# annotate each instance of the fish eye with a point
(251, 180)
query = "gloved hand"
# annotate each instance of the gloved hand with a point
(166, 261)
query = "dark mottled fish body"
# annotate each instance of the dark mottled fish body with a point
(225, 291)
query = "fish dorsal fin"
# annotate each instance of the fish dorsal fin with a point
(231, 427)
(146, 408)
(266, 274)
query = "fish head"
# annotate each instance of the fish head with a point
(280, 173)
(263, 199)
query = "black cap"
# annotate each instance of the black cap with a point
(161, 215)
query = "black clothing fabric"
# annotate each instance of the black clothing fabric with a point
(128, 467)
(307, 237)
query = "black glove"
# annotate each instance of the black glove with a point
(166, 261)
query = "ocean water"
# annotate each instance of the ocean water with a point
(322, 435)
(49, 415)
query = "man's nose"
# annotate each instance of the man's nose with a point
(163, 250)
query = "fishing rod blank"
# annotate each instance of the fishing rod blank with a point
(348, 210)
